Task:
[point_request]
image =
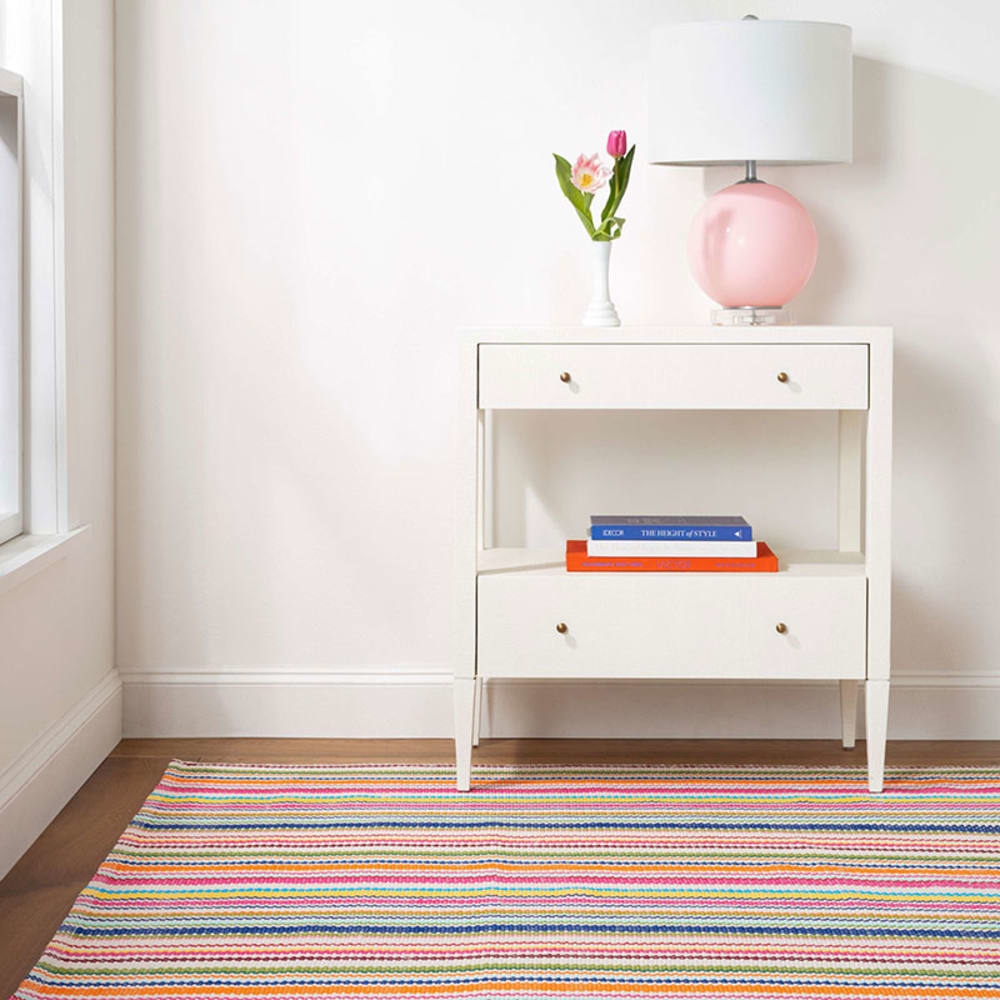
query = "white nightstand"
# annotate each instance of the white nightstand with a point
(835, 605)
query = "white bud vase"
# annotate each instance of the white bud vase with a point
(601, 310)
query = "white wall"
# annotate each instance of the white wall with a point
(313, 196)
(59, 695)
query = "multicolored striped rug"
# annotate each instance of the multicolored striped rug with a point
(241, 880)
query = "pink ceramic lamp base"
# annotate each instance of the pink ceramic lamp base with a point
(752, 245)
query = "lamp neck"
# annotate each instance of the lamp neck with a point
(751, 174)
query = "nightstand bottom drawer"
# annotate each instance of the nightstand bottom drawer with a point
(610, 625)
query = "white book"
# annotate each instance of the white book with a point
(693, 549)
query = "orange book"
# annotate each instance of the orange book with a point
(577, 561)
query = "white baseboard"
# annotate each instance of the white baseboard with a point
(271, 703)
(396, 704)
(47, 773)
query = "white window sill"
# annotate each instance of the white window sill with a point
(22, 557)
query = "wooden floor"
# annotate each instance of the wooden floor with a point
(39, 890)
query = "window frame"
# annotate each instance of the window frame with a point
(13, 422)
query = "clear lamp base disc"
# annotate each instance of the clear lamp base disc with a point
(751, 316)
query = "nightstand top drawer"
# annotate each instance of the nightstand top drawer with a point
(772, 376)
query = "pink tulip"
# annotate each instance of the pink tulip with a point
(617, 144)
(589, 174)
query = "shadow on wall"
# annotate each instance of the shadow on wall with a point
(907, 237)
(924, 149)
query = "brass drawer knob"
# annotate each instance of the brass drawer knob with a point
(565, 377)
(781, 628)
(782, 376)
(562, 628)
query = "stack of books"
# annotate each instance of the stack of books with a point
(669, 543)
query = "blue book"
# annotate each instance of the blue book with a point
(670, 527)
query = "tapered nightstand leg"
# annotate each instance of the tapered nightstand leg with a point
(876, 727)
(465, 703)
(477, 712)
(848, 713)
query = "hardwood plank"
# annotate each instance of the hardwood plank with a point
(39, 890)
(78, 839)
(810, 752)
(27, 923)
(278, 750)
(584, 751)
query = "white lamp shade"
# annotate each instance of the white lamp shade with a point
(771, 91)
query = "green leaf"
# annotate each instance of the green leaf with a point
(579, 200)
(611, 225)
(564, 173)
(619, 182)
(625, 163)
(613, 195)
(610, 229)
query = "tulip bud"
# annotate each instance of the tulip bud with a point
(617, 144)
